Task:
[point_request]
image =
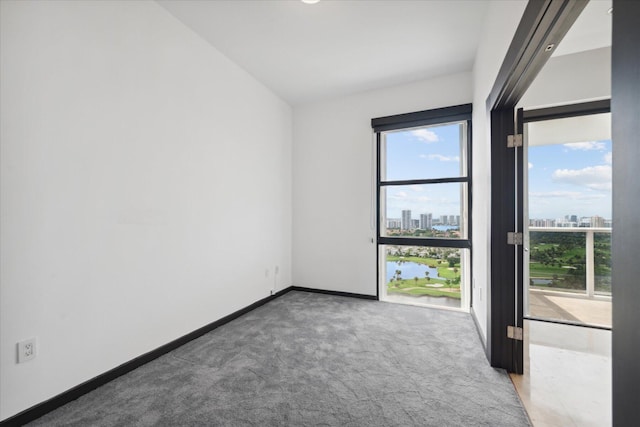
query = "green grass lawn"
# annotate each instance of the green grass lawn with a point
(441, 265)
(411, 286)
(538, 270)
(411, 283)
(448, 274)
(420, 287)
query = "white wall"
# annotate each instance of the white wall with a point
(578, 77)
(145, 188)
(333, 180)
(499, 27)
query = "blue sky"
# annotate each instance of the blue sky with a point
(570, 179)
(432, 152)
(564, 179)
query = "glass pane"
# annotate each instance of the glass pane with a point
(425, 210)
(557, 261)
(424, 275)
(602, 263)
(425, 152)
(569, 168)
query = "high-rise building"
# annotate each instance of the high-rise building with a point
(444, 220)
(415, 223)
(565, 223)
(426, 221)
(393, 223)
(452, 220)
(569, 221)
(542, 222)
(406, 219)
(597, 221)
(458, 220)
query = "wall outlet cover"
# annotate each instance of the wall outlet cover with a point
(26, 350)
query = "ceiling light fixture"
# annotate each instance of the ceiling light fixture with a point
(310, 1)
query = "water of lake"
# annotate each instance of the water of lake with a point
(410, 270)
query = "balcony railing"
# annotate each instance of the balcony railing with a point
(590, 267)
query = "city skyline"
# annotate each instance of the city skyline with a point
(569, 221)
(425, 221)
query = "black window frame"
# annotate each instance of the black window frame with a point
(458, 113)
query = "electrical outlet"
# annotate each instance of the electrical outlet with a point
(26, 350)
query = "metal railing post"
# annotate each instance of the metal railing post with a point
(590, 265)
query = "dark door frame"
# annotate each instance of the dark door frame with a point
(625, 268)
(543, 25)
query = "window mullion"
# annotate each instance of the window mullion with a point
(462, 179)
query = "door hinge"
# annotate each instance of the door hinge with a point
(514, 140)
(514, 238)
(515, 333)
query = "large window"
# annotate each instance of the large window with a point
(424, 201)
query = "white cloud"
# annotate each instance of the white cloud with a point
(608, 158)
(399, 195)
(530, 165)
(566, 195)
(425, 135)
(593, 177)
(440, 157)
(585, 146)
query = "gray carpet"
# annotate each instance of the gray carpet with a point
(313, 360)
